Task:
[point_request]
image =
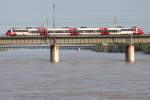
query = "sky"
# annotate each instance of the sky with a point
(74, 13)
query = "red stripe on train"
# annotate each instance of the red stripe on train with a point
(104, 31)
(73, 31)
(43, 31)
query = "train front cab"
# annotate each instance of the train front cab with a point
(138, 31)
(10, 32)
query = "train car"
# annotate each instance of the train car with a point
(73, 31)
(18, 32)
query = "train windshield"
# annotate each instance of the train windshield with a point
(9, 30)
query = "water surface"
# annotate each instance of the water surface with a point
(27, 74)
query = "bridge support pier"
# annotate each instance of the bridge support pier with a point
(54, 53)
(130, 53)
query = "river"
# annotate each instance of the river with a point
(27, 74)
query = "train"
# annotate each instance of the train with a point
(42, 31)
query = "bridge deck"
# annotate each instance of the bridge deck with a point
(73, 40)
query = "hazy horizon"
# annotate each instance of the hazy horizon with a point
(74, 13)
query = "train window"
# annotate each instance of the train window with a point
(113, 31)
(84, 31)
(66, 31)
(94, 31)
(98, 31)
(117, 30)
(80, 31)
(9, 31)
(50, 31)
(61, 31)
(88, 31)
(55, 31)
(107, 31)
(24, 30)
(125, 29)
(20, 30)
(31, 31)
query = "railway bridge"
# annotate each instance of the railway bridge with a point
(58, 40)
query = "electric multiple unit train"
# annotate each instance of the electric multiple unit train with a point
(73, 31)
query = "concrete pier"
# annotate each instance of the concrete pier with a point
(130, 53)
(54, 53)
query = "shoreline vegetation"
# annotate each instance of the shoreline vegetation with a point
(120, 48)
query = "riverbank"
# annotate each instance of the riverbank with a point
(120, 48)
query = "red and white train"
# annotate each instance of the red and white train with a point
(73, 31)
